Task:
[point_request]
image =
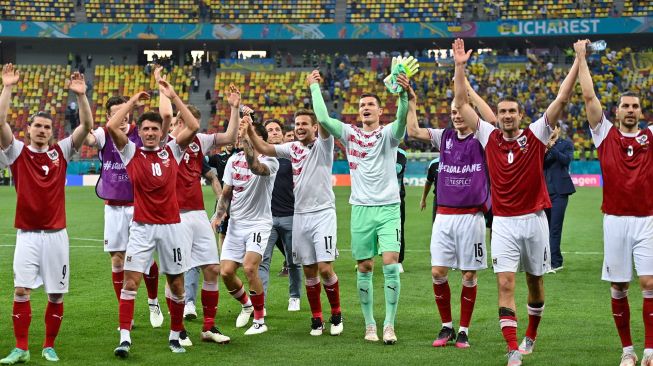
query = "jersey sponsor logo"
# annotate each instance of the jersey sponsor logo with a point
(353, 166)
(163, 154)
(297, 171)
(194, 147)
(107, 165)
(460, 169)
(457, 182)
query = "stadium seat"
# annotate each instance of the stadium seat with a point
(142, 11)
(40, 10)
(272, 11)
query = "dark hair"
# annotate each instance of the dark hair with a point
(273, 120)
(42, 114)
(372, 95)
(509, 98)
(307, 112)
(150, 116)
(261, 131)
(115, 101)
(287, 129)
(629, 93)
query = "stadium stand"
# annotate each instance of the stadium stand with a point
(638, 8)
(551, 9)
(272, 11)
(365, 11)
(143, 11)
(42, 88)
(127, 80)
(273, 95)
(40, 10)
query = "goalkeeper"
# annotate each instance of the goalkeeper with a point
(375, 215)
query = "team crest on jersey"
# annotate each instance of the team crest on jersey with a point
(194, 147)
(449, 144)
(523, 143)
(163, 154)
(53, 155)
(642, 140)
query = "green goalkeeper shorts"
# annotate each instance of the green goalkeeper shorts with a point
(375, 230)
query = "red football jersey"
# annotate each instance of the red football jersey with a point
(40, 178)
(516, 169)
(189, 188)
(627, 166)
(153, 174)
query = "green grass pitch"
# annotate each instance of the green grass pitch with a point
(576, 329)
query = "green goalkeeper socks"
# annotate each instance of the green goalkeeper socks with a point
(366, 294)
(392, 288)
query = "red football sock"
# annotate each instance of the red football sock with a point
(467, 301)
(509, 330)
(22, 316)
(152, 281)
(313, 290)
(258, 300)
(621, 315)
(647, 312)
(53, 318)
(333, 294)
(241, 296)
(443, 300)
(210, 307)
(126, 309)
(176, 314)
(534, 317)
(118, 281)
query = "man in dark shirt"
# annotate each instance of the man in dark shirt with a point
(283, 209)
(401, 169)
(431, 179)
(219, 162)
(560, 153)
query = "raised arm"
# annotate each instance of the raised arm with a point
(460, 99)
(192, 125)
(118, 136)
(10, 77)
(399, 125)
(566, 87)
(254, 164)
(414, 131)
(165, 106)
(332, 125)
(593, 106)
(78, 86)
(482, 107)
(257, 142)
(230, 136)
